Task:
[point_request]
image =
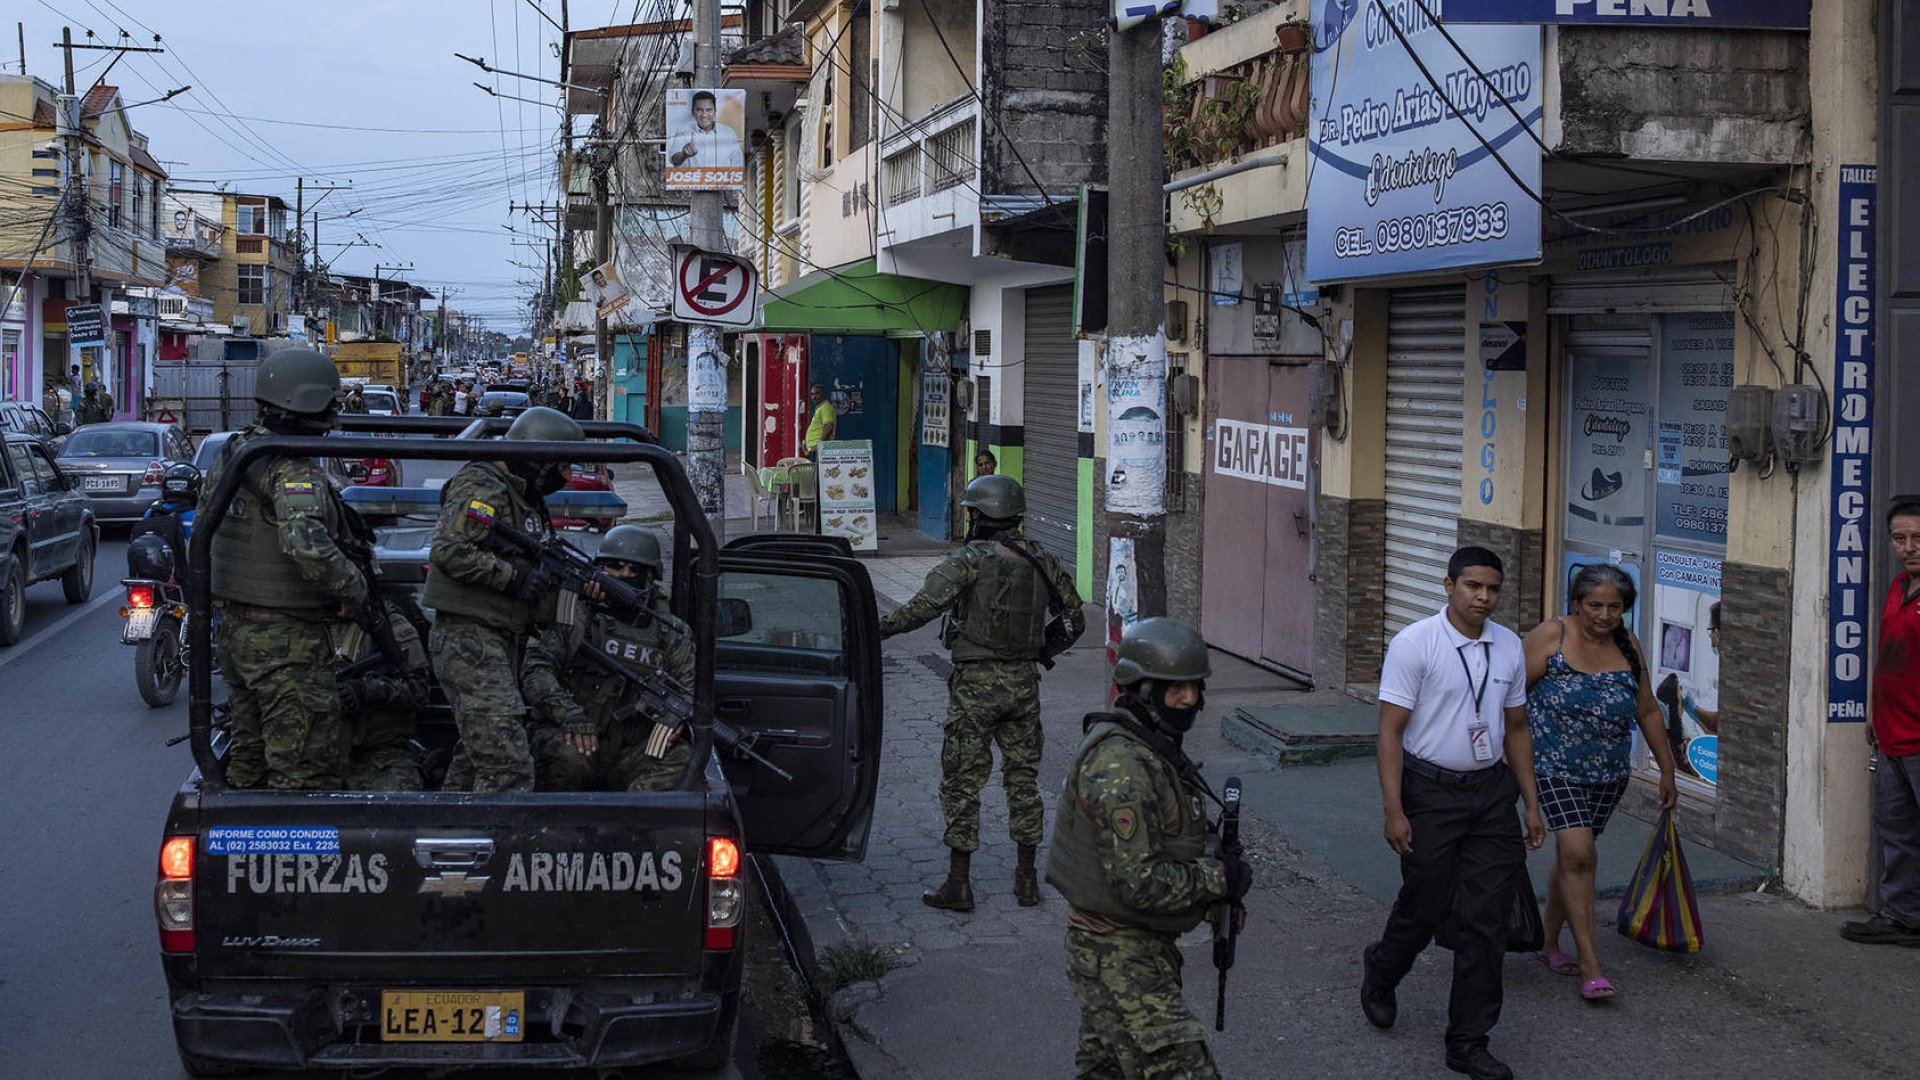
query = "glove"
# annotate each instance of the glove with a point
(353, 697)
(532, 582)
(1239, 876)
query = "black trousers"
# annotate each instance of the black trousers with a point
(1457, 885)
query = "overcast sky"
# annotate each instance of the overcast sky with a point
(433, 161)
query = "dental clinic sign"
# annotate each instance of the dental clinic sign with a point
(1423, 158)
(1732, 14)
(1848, 603)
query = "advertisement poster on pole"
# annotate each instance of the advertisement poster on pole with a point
(847, 506)
(706, 144)
(1422, 159)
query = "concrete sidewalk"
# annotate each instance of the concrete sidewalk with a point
(985, 995)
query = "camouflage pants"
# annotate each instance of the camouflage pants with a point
(285, 724)
(1134, 1024)
(991, 702)
(621, 764)
(478, 668)
(385, 768)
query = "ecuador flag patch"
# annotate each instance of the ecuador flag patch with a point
(480, 512)
(296, 487)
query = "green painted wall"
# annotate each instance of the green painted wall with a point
(856, 299)
(1083, 535)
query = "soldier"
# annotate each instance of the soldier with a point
(379, 708)
(94, 408)
(440, 401)
(356, 400)
(286, 585)
(577, 744)
(487, 604)
(1130, 856)
(996, 594)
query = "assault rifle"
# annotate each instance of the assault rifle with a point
(371, 616)
(660, 698)
(571, 568)
(1224, 932)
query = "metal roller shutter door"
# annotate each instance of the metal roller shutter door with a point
(1052, 393)
(1426, 362)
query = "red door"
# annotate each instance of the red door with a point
(783, 395)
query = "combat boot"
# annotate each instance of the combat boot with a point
(956, 893)
(1026, 881)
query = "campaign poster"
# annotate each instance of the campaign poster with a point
(1696, 374)
(606, 289)
(706, 139)
(1609, 415)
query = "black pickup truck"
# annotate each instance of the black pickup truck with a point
(446, 929)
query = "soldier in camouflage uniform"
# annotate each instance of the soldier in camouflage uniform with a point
(96, 407)
(440, 399)
(287, 587)
(1130, 854)
(487, 603)
(356, 401)
(577, 743)
(996, 593)
(380, 708)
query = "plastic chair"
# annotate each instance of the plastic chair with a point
(802, 494)
(759, 497)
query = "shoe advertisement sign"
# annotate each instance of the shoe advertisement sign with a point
(1610, 407)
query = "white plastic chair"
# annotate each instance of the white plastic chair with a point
(760, 497)
(802, 494)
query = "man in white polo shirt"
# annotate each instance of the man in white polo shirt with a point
(1454, 754)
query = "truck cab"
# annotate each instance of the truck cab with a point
(303, 930)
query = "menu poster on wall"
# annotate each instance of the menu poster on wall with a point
(1696, 374)
(1608, 439)
(936, 395)
(846, 492)
(1684, 659)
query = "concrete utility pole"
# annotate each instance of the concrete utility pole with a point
(602, 253)
(1136, 361)
(706, 346)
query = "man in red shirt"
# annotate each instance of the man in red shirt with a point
(1896, 737)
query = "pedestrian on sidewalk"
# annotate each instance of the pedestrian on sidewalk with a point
(1454, 754)
(1130, 854)
(1586, 689)
(1007, 606)
(821, 426)
(1895, 739)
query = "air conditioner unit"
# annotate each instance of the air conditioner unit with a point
(242, 324)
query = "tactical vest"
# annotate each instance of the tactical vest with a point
(499, 609)
(249, 566)
(1073, 861)
(1003, 615)
(641, 649)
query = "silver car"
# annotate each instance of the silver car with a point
(118, 466)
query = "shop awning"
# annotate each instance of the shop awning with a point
(854, 299)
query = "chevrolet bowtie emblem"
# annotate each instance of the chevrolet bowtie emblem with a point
(453, 883)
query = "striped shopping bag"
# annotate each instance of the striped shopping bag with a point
(1659, 908)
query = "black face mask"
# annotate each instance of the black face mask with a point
(281, 422)
(1179, 720)
(986, 528)
(541, 479)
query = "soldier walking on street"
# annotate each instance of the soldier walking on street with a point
(996, 594)
(356, 400)
(487, 603)
(286, 586)
(578, 743)
(1130, 854)
(440, 400)
(94, 408)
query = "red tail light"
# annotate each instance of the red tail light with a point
(156, 471)
(726, 896)
(173, 895)
(140, 596)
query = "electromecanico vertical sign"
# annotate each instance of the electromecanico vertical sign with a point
(1423, 150)
(1852, 458)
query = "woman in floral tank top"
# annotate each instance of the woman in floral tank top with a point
(1586, 689)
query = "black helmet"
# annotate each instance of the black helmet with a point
(1163, 649)
(149, 556)
(180, 483)
(92, 389)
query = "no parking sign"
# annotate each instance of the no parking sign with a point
(713, 288)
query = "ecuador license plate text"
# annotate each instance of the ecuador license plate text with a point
(451, 1015)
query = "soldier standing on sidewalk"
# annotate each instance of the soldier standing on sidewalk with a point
(996, 593)
(1130, 854)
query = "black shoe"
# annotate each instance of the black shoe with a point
(1379, 1003)
(954, 894)
(1881, 930)
(1476, 1062)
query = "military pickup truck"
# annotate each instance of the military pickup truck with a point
(339, 930)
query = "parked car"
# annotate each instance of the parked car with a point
(47, 531)
(588, 476)
(382, 402)
(119, 465)
(512, 386)
(30, 419)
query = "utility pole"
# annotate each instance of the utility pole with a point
(76, 197)
(706, 346)
(602, 252)
(1135, 487)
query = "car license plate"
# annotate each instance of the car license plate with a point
(451, 1015)
(102, 483)
(139, 624)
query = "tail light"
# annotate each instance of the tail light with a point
(726, 897)
(156, 471)
(173, 895)
(379, 472)
(140, 597)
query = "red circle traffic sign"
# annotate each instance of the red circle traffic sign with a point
(690, 295)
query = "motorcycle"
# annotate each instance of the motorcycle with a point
(156, 625)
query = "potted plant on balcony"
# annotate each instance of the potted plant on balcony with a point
(1295, 36)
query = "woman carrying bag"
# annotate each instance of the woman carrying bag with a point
(1587, 688)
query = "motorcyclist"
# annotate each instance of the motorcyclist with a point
(171, 517)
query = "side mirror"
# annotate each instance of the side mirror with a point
(62, 428)
(357, 471)
(734, 618)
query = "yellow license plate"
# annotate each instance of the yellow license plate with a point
(452, 1015)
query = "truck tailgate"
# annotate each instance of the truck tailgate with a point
(546, 887)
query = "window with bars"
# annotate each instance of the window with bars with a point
(950, 157)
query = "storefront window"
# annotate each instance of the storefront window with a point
(10, 364)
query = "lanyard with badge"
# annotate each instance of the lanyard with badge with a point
(1479, 732)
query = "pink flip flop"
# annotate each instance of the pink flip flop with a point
(1596, 989)
(1558, 962)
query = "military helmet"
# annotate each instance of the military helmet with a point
(996, 496)
(541, 424)
(634, 543)
(1163, 649)
(297, 380)
(494, 407)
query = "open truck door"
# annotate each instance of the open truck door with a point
(797, 671)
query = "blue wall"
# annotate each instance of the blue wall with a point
(862, 375)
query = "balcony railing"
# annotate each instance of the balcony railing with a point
(930, 155)
(1256, 93)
